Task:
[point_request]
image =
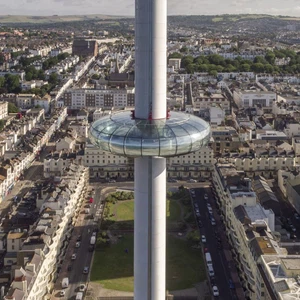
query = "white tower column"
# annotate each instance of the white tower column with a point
(150, 58)
(150, 228)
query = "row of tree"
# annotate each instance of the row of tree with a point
(215, 63)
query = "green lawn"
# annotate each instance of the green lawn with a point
(113, 268)
(173, 211)
(123, 210)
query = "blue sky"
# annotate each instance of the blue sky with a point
(126, 7)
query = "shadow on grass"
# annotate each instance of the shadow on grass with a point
(113, 265)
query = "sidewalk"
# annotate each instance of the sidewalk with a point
(230, 261)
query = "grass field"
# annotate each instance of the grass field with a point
(124, 211)
(113, 267)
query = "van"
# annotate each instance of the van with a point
(79, 296)
(211, 271)
(208, 258)
(65, 283)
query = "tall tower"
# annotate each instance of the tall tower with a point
(149, 134)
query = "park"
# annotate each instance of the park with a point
(113, 258)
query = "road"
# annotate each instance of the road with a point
(222, 272)
(84, 227)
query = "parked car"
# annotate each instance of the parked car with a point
(73, 257)
(69, 267)
(205, 196)
(85, 270)
(215, 291)
(77, 245)
(192, 181)
(203, 239)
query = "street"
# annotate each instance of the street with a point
(84, 227)
(212, 233)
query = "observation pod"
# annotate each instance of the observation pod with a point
(122, 135)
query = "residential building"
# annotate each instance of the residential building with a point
(106, 98)
(83, 47)
(43, 250)
(252, 98)
(3, 110)
(174, 62)
(248, 225)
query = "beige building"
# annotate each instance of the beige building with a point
(99, 98)
(204, 102)
(175, 62)
(107, 165)
(3, 110)
(248, 225)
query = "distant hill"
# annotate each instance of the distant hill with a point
(6, 19)
(227, 18)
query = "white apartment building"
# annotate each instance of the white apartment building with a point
(24, 100)
(80, 127)
(248, 226)
(250, 98)
(3, 110)
(217, 115)
(280, 276)
(174, 62)
(56, 212)
(106, 165)
(102, 98)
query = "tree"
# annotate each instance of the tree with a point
(258, 68)
(12, 83)
(2, 124)
(175, 55)
(245, 67)
(12, 109)
(213, 73)
(28, 76)
(53, 78)
(184, 49)
(2, 81)
(270, 57)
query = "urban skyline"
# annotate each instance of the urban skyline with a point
(126, 7)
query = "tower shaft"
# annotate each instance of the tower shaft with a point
(150, 228)
(150, 58)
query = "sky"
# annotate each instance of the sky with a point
(126, 7)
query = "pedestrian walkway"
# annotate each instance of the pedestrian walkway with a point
(229, 260)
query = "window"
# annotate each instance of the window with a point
(12, 247)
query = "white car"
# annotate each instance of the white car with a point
(62, 293)
(73, 257)
(205, 196)
(77, 245)
(203, 239)
(215, 290)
